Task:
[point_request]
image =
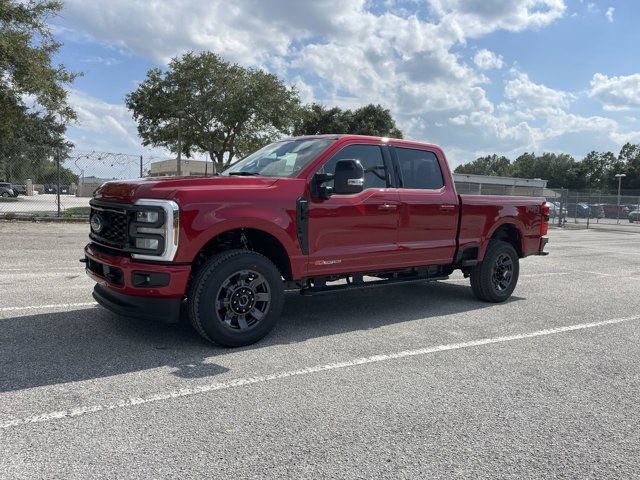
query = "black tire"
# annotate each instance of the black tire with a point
(5, 194)
(236, 298)
(495, 278)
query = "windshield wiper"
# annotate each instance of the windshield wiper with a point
(245, 174)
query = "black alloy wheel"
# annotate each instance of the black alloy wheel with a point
(495, 278)
(502, 272)
(243, 300)
(235, 298)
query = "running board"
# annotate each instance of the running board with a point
(361, 285)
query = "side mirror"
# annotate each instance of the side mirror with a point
(318, 187)
(349, 177)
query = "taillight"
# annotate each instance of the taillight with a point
(544, 225)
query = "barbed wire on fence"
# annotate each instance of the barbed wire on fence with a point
(40, 182)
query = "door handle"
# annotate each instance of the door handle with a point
(388, 206)
(447, 207)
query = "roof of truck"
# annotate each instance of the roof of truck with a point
(342, 136)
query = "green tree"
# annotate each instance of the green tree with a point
(629, 159)
(493, 165)
(225, 109)
(27, 47)
(40, 143)
(596, 168)
(26, 50)
(316, 119)
(368, 120)
(561, 170)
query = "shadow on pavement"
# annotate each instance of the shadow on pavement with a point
(53, 348)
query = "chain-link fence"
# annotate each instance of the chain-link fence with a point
(586, 209)
(46, 182)
(40, 181)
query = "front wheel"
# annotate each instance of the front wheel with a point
(495, 278)
(236, 298)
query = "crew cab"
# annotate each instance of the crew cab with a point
(318, 214)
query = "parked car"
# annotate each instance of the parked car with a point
(579, 210)
(614, 211)
(6, 190)
(596, 211)
(64, 189)
(301, 213)
(19, 189)
(554, 209)
(634, 216)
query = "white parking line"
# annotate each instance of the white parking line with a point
(36, 275)
(527, 275)
(43, 307)
(243, 382)
(36, 269)
(613, 252)
(612, 275)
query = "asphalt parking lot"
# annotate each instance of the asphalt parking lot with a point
(412, 381)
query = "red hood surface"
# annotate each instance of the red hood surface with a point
(166, 187)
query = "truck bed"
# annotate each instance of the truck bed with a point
(482, 215)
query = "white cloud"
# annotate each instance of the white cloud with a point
(486, 59)
(101, 125)
(616, 93)
(609, 14)
(478, 17)
(246, 31)
(340, 52)
(528, 94)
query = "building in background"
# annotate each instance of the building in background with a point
(489, 185)
(168, 168)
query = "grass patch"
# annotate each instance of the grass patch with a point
(9, 199)
(77, 212)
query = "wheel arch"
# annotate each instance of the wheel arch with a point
(508, 232)
(251, 238)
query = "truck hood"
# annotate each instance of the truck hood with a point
(166, 187)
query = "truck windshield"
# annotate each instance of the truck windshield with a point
(280, 159)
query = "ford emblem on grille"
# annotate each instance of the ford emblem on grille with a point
(97, 223)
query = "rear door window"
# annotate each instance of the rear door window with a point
(420, 169)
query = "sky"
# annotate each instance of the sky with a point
(474, 76)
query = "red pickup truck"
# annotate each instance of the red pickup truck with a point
(317, 214)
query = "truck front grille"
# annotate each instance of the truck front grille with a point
(116, 228)
(114, 225)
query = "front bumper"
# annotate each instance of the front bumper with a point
(137, 289)
(165, 310)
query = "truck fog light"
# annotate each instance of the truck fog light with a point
(147, 243)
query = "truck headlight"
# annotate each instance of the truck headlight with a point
(147, 216)
(154, 230)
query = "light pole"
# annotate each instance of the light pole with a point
(619, 176)
(179, 114)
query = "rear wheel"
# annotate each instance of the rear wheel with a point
(495, 278)
(236, 299)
